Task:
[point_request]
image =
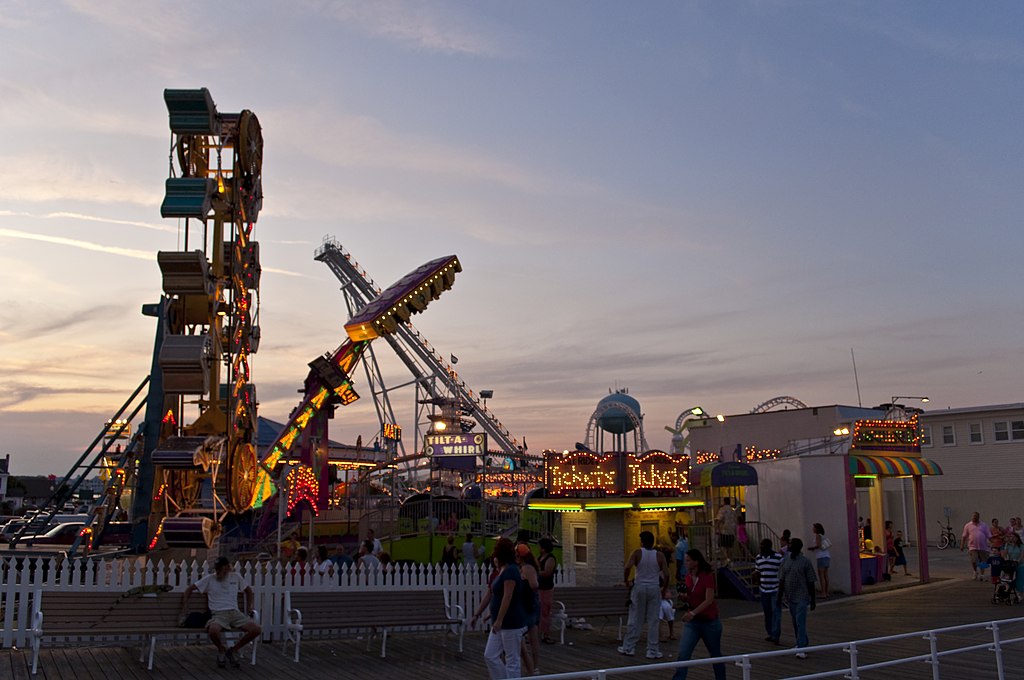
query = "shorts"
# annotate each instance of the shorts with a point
(824, 562)
(229, 619)
(978, 557)
(668, 612)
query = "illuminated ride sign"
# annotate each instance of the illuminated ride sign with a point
(580, 474)
(443, 445)
(392, 432)
(901, 437)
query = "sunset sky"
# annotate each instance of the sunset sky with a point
(704, 202)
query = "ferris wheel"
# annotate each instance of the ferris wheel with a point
(201, 464)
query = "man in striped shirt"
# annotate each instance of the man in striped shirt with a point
(766, 566)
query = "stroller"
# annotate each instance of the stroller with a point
(1005, 592)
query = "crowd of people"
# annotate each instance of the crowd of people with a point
(518, 602)
(520, 589)
(996, 548)
(787, 577)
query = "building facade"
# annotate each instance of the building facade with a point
(980, 449)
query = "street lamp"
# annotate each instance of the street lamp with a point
(685, 423)
(923, 400)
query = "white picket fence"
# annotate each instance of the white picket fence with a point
(465, 585)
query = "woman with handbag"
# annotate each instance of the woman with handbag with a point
(820, 545)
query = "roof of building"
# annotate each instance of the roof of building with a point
(972, 409)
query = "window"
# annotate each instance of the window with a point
(975, 433)
(1002, 432)
(948, 436)
(926, 435)
(1016, 430)
(579, 544)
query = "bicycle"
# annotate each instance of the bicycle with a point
(947, 539)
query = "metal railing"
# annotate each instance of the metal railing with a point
(853, 649)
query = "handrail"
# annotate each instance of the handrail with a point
(852, 648)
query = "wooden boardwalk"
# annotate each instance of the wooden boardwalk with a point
(420, 656)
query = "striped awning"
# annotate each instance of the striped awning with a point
(892, 466)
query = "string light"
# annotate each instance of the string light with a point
(890, 435)
(302, 486)
(754, 454)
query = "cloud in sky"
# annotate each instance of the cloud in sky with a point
(76, 243)
(421, 25)
(678, 200)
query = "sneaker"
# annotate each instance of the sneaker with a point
(654, 655)
(801, 655)
(232, 659)
(770, 638)
(625, 652)
(221, 660)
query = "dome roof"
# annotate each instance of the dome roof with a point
(616, 419)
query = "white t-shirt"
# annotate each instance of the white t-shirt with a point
(221, 595)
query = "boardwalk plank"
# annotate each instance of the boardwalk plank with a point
(415, 656)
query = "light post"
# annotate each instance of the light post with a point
(894, 410)
(684, 423)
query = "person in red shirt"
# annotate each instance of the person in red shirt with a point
(701, 621)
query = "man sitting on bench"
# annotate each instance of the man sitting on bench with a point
(222, 589)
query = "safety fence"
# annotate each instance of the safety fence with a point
(870, 655)
(22, 577)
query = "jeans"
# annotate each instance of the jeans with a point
(798, 612)
(694, 631)
(507, 642)
(644, 609)
(772, 614)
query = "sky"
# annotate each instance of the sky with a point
(707, 203)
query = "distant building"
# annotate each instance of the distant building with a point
(5, 470)
(980, 449)
(31, 492)
(826, 464)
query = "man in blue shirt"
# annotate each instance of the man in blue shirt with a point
(797, 585)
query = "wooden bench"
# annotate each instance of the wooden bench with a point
(376, 610)
(587, 602)
(150, 612)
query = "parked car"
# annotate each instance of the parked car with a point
(62, 534)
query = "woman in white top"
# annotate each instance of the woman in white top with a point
(820, 545)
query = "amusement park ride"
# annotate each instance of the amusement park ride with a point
(193, 467)
(192, 470)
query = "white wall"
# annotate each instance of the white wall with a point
(605, 546)
(793, 493)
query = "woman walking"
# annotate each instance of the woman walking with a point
(508, 621)
(531, 607)
(701, 621)
(820, 545)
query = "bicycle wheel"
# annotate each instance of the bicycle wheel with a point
(943, 541)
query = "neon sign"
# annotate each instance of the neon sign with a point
(586, 475)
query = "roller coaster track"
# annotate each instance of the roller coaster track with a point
(426, 365)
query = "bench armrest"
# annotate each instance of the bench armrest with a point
(459, 612)
(293, 617)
